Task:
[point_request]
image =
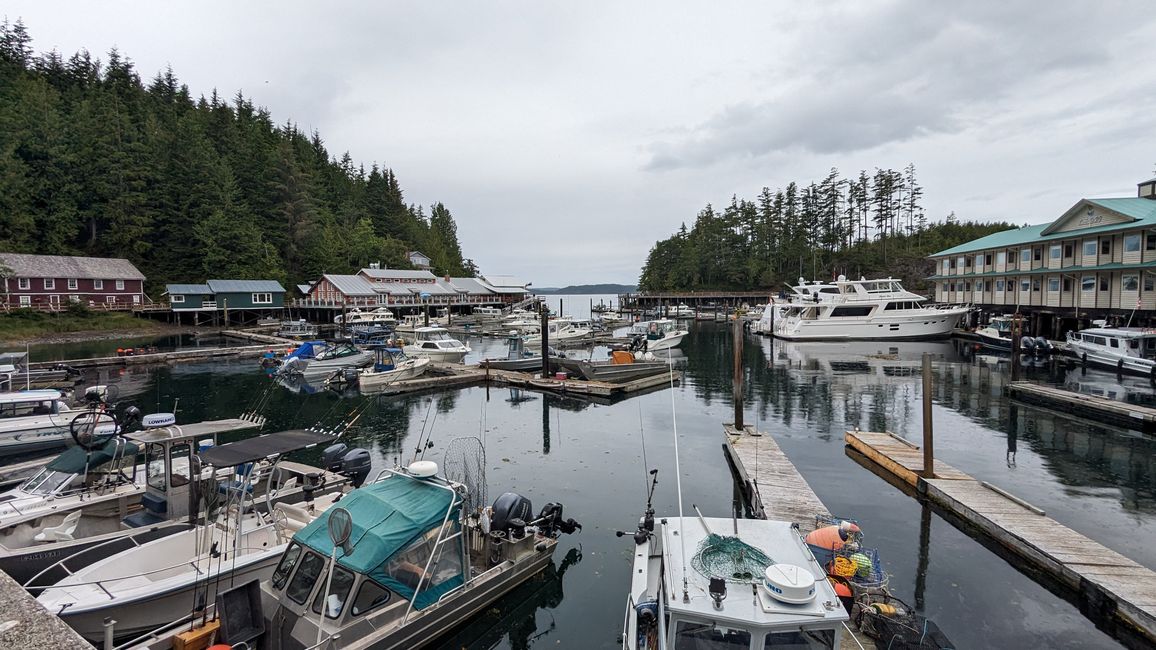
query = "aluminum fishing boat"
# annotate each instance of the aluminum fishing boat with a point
(560, 330)
(436, 344)
(1123, 349)
(867, 309)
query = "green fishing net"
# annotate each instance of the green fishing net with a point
(731, 559)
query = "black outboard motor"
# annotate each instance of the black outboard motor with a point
(331, 457)
(1043, 345)
(356, 464)
(551, 523)
(1028, 344)
(511, 512)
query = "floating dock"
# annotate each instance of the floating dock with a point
(1100, 409)
(1113, 591)
(175, 356)
(25, 623)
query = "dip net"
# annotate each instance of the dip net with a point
(465, 463)
(731, 559)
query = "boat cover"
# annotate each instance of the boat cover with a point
(388, 516)
(74, 460)
(270, 444)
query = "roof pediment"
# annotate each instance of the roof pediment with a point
(1086, 214)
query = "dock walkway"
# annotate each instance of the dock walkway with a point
(1113, 591)
(1131, 416)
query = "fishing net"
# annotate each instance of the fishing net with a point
(731, 559)
(465, 463)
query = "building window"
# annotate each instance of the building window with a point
(1068, 248)
(1131, 282)
(1055, 251)
(987, 259)
(74, 298)
(945, 286)
(1036, 285)
(1026, 256)
(1103, 284)
(1067, 285)
(967, 286)
(110, 299)
(120, 285)
(1150, 241)
(1131, 243)
(964, 262)
(1149, 283)
(72, 284)
(98, 285)
(49, 283)
(979, 285)
(1106, 247)
(1053, 284)
(176, 299)
(999, 286)
(979, 260)
(1087, 283)
(24, 283)
(25, 301)
(1025, 285)
(136, 298)
(267, 298)
(1001, 258)
(1090, 248)
(950, 263)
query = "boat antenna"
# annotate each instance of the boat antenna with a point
(677, 477)
(645, 464)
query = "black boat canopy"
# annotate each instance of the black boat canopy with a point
(270, 444)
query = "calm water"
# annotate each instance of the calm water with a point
(589, 457)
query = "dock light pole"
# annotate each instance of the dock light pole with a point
(738, 374)
(928, 447)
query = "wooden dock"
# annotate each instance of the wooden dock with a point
(1113, 591)
(1100, 409)
(175, 356)
(449, 375)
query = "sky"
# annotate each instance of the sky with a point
(567, 138)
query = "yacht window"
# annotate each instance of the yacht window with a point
(156, 467)
(845, 311)
(302, 584)
(1150, 344)
(285, 566)
(369, 596)
(338, 592)
(829, 290)
(179, 462)
(800, 640)
(1114, 342)
(709, 636)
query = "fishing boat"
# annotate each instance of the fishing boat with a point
(661, 334)
(1123, 349)
(519, 357)
(436, 344)
(318, 358)
(33, 420)
(488, 313)
(560, 330)
(996, 334)
(299, 329)
(681, 310)
(391, 365)
(146, 586)
(379, 316)
(15, 373)
(747, 583)
(867, 309)
(621, 367)
(611, 318)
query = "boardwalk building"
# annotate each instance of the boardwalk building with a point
(1097, 260)
(401, 288)
(50, 282)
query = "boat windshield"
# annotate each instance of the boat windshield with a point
(800, 640)
(47, 481)
(24, 409)
(710, 636)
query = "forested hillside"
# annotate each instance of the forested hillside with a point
(95, 162)
(871, 226)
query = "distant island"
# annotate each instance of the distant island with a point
(583, 289)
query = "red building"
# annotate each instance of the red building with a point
(53, 281)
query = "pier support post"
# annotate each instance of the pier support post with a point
(1016, 334)
(928, 447)
(543, 316)
(738, 374)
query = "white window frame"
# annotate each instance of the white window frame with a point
(979, 259)
(1124, 279)
(268, 298)
(1090, 243)
(110, 299)
(120, 285)
(176, 299)
(25, 301)
(1056, 252)
(1051, 282)
(136, 298)
(1132, 238)
(98, 285)
(49, 284)
(24, 284)
(1087, 280)
(1026, 255)
(54, 299)
(73, 284)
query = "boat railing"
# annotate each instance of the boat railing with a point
(94, 490)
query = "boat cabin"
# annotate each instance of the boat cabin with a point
(488, 313)
(1136, 342)
(78, 470)
(28, 403)
(434, 339)
(386, 359)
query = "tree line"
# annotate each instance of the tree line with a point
(870, 225)
(93, 161)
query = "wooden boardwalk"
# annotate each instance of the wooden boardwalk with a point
(1131, 416)
(1115, 592)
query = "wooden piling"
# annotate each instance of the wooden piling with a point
(737, 382)
(928, 450)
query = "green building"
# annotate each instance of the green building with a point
(226, 294)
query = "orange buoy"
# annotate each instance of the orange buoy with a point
(832, 537)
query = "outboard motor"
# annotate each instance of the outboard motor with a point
(551, 523)
(356, 465)
(331, 457)
(1043, 345)
(511, 512)
(1028, 344)
(132, 415)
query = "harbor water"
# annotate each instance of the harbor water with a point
(593, 457)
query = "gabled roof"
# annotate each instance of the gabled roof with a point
(245, 286)
(505, 283)
(187, 289)
(400, 274)
(1140, 212)
(471, 286)
(304, 288)
(350, 285)
(66, 266)
(412, 253)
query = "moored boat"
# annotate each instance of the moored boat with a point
(390, 365)
(318, 358)
(661, 334)
(436, 344)
(1123, 349)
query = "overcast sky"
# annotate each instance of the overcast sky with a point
(566, 138)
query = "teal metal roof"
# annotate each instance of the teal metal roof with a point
(388, 516)
(1142, 210)
(187, 289)
(1114, 266)
(245, 286)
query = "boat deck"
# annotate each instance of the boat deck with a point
(1131, 416)
(1115, 592)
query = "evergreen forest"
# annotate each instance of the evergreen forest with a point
(873, 225)
(94, 161)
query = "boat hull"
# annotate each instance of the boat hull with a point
(35, 434)
(441, 356)
(666, 342)
(1115, 363)
(910, 327)
(375, 379)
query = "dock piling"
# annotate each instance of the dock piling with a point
(928, 435)
(738, 374)
(544, 319)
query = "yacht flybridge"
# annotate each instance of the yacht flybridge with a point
(864, 309)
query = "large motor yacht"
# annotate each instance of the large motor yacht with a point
(867, 309)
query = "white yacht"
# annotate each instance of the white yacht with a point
(661, 334)
(561, 330)
(487, 313)
(390, 365)
(866, 309)
(379, 316)
(436, 344)
(32, 420)
(1124, 349)
(682, 310)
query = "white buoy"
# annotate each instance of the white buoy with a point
(791, 584)
(423, 468)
